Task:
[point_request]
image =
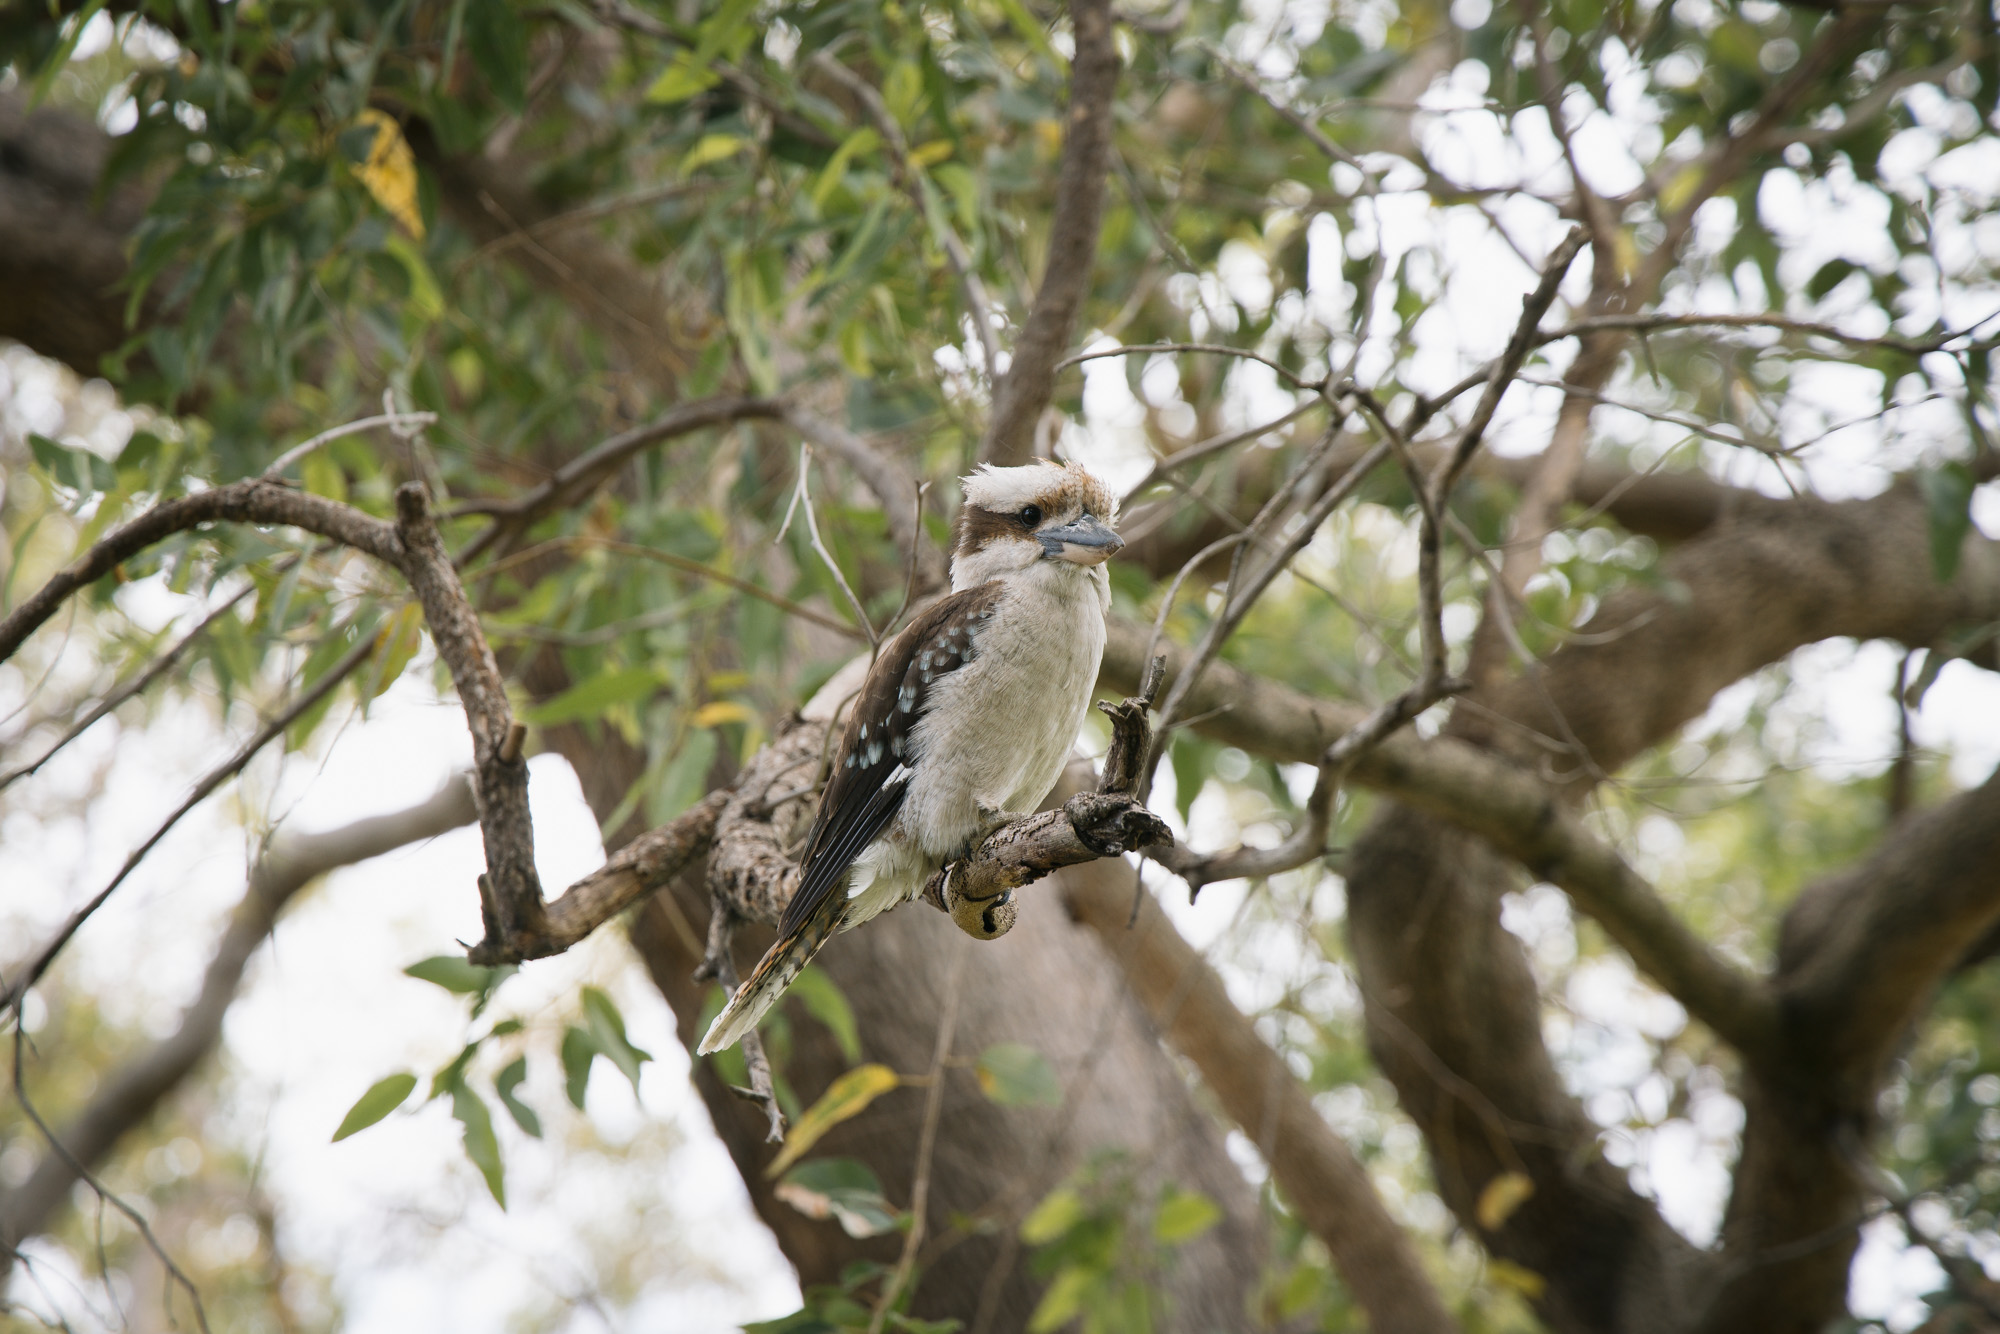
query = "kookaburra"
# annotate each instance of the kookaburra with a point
(965, 719)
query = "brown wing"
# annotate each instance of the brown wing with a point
(871, 770)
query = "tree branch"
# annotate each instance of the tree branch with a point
(638, 869)
(1323, 1182)
(1489, 796)
(1024, 391)
(127, 1096)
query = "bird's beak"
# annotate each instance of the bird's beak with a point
(1084, 541)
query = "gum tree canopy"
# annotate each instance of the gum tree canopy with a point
(1533, 422)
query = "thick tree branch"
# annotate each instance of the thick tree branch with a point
(1322, 1181)
(128, 1095)
(1024, 391)
(638, 869)
(1862, 952)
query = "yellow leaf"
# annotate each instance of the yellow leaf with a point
(848, 1097)
(390, 173)
(1509, 1275)
(932, 153)
(1501, 1197)
(712, 148)
(1680, 189)
(722, 711)
(1627, 251)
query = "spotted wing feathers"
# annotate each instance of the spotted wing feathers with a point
(875, 762)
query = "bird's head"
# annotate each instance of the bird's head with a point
(1042, 516)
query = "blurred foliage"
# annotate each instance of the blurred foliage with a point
(319, 243)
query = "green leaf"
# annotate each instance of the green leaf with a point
(383, 1097)
(1831, 274)
(498, 43)
(510, 1079)
(824, 1002)
(1014, 1074)
(1030, 30)
(1947, 493)
(607, 1030)
(843, 1189)
(453, 973)
(847, 1097)
(579, 1049)
(1064, 1300)
(1060, 1210)
(480, 1144)
(1183, 1216)
(589, 699)
(682, 80)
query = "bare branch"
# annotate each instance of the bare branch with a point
(1653, 323)
(155, 669)
(253, 500)
(394, 420)
(638, 869)
(510, 891)
(591, 469)
(1290, 377)
(1489, 796)
(128, 1095)
(1508, 364)
(920, 1190)
(889, 480)
(1195, 453)
(802, 499)
(39, 963)
(1020, 396)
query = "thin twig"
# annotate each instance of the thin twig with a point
(978, 306)
(909, 583)
(213, 779)
(1214, 445)
(397, 421)
(1293, 378)
(802, 499)
(920, 1189)
(137, 685)
(681, 563)
(138, 1220)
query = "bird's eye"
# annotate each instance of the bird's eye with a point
(1030, 515)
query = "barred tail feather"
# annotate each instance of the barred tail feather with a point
(781, 963)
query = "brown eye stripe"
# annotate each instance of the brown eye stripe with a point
(977, 527)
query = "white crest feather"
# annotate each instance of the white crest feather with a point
(1005, 489)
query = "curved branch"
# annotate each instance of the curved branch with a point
(253, 500)
(1024, 391)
